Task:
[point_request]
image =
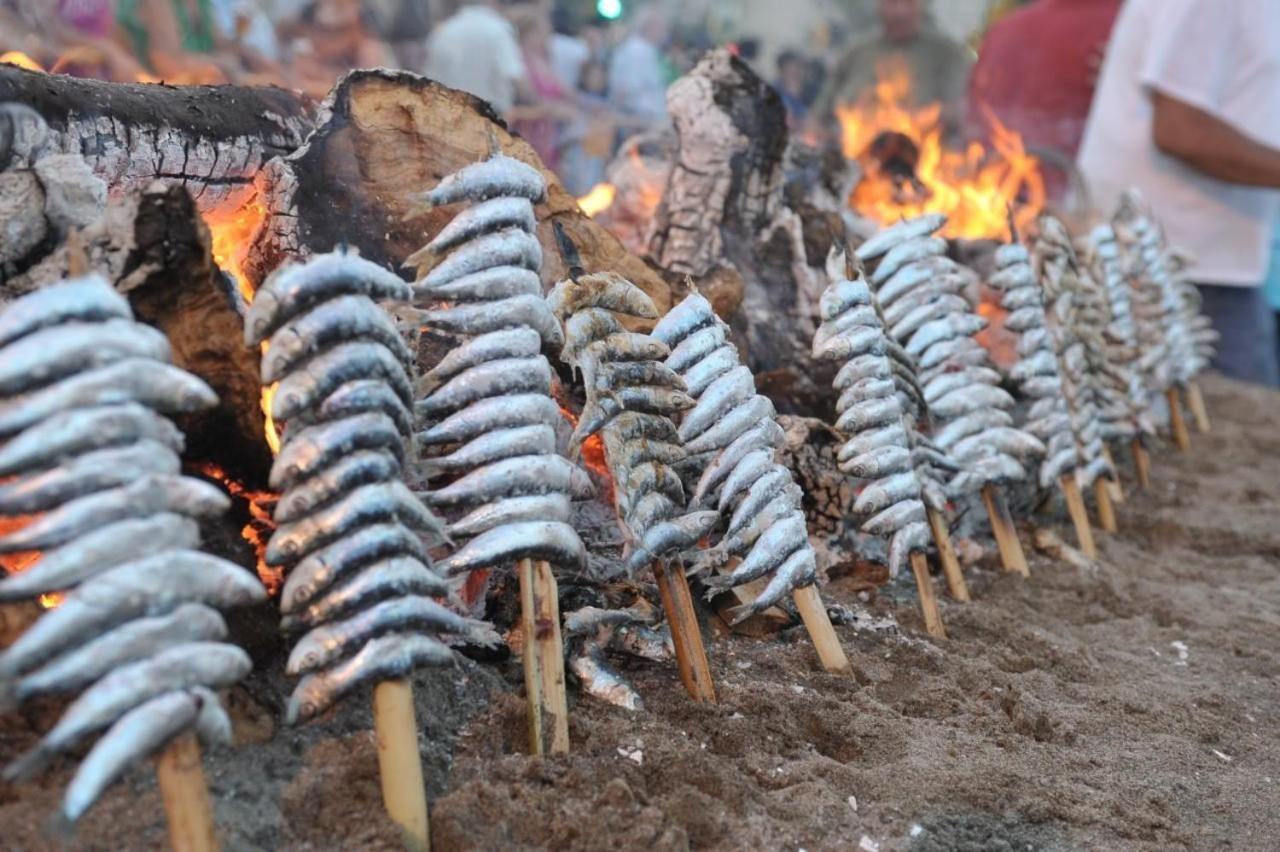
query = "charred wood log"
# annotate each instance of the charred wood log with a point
(385, 138)
(211, 139)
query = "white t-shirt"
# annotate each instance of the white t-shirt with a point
(476, 51)
(637, 86)
(1223, 57)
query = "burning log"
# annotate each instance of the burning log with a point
(385, 137)
(94, 462)
(722, 219)
(212, 139)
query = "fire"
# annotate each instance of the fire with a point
(260, 525)
(231, 233)
(16, 563)
(599, 199)
(592, 447)
(20, 59)
(976, 188)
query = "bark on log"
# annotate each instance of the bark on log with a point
(211, 139)
(386, 137)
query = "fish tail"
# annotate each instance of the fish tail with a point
(716, 585)
(739, 614)
(61, 828)
(35, 760)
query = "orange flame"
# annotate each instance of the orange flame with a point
(976, 188)
(599, 199)
(592, 447)
(16, 563)
(231, 233)
(260, 525)
(20, 59)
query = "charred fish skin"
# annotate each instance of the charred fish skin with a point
(496, 177)
(73, 432)
(486, 217)
(521, 476)
(324, 373)
(340, 320)
(358, 396)
(508, 247)
(534, 439)
(151, 383)
(388, 579)
(291, 290)
(517, 342)
(327, 644)
(605, 290)
(364, 467)
(496, 378)
(58, 351)
(97, 551)
(384, 658)
(180, 667)
(86, 474)
(87, 299)
(555, 542)
(333, 563)
(313, 449)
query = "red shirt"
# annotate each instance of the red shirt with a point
(1036, 71)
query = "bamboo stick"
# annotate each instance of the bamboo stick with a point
(928, 602)
(813, 612)
(543, 659)
(1141, 463)
(1195, 401)
(1181, 438)
(947, 556)
(1011, 555)
(399, 764)
(1106, 513)
(691, 655)
(1079, 517)
(186, 796)
(1114, 488)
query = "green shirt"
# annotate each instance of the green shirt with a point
(197, 33)
(939, 70)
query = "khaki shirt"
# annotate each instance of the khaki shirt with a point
(939, 70)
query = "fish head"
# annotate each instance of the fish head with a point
(257, 320)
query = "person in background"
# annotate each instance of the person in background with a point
(568, 51)
(1036, 73)
(476, 50)
(537, 116)
(938, 65)
(76, 37)
(587, 141)
(792, 81)
(1188, 111)
(404, 25)
(175, 38)
(637, 80)
(328, 39)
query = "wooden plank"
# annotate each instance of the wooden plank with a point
(543, 659)
(1011, 554)
(186, 796)
(813, 612)
(1106, 513)
(1181, 437)
(1195, 402)
(691, 654)
(947, 555)
(1141, 463)
(399, 764)
(1079, 517)
(928, 601)
(1114, 487)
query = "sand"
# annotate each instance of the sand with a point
(1127, 705)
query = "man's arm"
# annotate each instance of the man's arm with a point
(1210, 145)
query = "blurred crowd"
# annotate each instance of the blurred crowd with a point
(1180, 97)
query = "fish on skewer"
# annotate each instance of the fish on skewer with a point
(139, 636)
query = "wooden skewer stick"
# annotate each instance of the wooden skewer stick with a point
(543, 659)
(928, 602)
(186, 796)
(691, 654)
(947, 555)
(1195, 401)
(1114, 488)
(1079, 517)
(813, 612)
(399, 764)
(1181, 438)
(1011, 555)
(1141, 463)
(1106, 513)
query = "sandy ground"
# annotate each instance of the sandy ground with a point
(1132, 704)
